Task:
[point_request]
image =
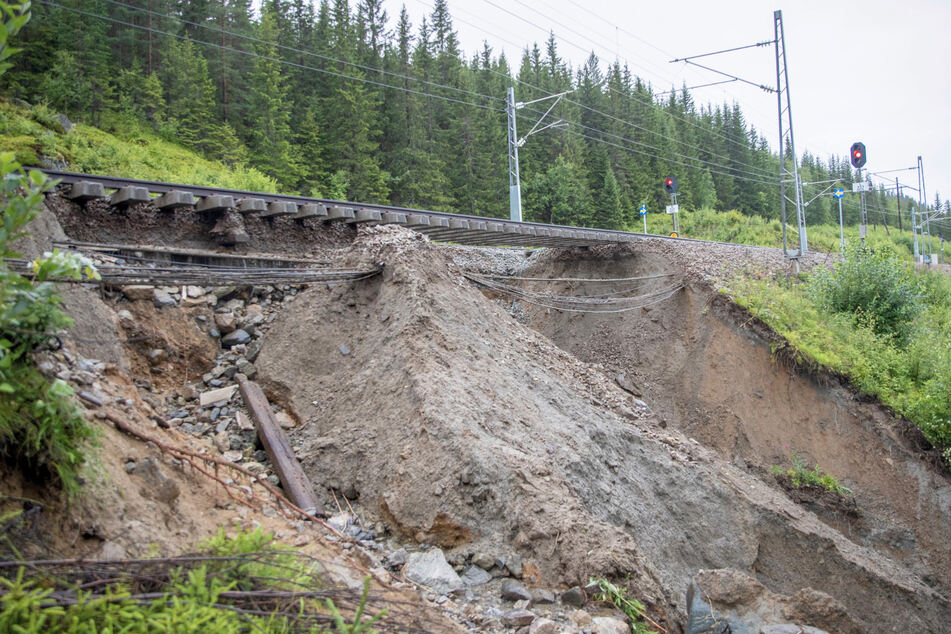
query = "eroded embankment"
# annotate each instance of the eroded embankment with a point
(463, 428)
(707, 368)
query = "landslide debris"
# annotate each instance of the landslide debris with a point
(460, 427)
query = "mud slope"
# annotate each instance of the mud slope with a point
(705, 367)
(465, 429)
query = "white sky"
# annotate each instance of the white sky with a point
(875, 71)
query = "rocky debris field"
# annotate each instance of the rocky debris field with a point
(495, 456)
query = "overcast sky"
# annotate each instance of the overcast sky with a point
(875, 71)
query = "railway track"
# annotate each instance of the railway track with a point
(438, 225)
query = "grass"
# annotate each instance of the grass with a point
(801, 475)
(617, 596)
(129, 149)
(912, 376)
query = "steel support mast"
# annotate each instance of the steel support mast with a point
(515, 185)
(786, 136)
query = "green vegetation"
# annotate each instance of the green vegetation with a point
(800, 475)
(234, 585)
(342, 100)
(874, 320)
(617, 596)
(41, 430)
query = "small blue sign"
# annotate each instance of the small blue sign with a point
(839, 193)
(643, 210)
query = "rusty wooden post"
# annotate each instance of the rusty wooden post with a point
(278, 449)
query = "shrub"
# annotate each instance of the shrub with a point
(801, 475)
(872, 285)
(41, 429)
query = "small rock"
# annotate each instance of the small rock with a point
(255, 467)
(137, 291)
(130, 466)
(254, 349)
(398, 559)
(156, 484)
(285, 421)
(217, 396)
(162, 298)
(225, 322)
(273, 479)
(513, 564)
(222, 425)
(244, 422)
(581, 618)
(340, 521)
(194, 291)
(157, 356)
(213, 332)
(233, 456)
(574, 596)
(189, 392)
(246, 368)
(344, 349)
(483, 561)
(544, 626)
(126, 320)
(235, 338)
(540, 596)
(512, 590)
(518, 618)
(222, 442)
(431, 569)
(609, 625)
(475, 576)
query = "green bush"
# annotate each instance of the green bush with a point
(874, 286)
(801, 475)
(41, 430)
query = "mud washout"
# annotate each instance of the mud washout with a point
(462, 427)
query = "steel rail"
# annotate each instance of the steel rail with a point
(583, 236)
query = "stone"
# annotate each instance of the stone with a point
(340, 522)
(285, 421)
(157, 356)
(540, 596)
(64, 121)
(225, 322)
(235, 338)
(397, 559)
(254, 349)
(194, 291)
(246, 368)
(137, 292)
(244, 421)
(475, 576)
(513, 564)
(512, 590)
(482, 560)
(431, 569)
(625, 384)
(344, 350)
(609, 625)
(156, 484)
(574, 596)
(161, 298)
(221, 441)
(233, 456)
(544, 626)
(518, 618)
(217, 396)
(581, 618)
(189, 392)
(126, 320)
(222, 425)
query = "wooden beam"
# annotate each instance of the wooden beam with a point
(278, 449)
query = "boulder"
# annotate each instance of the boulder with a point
(518, 618)
(431, 569)
(235, 338)
(475, 576)
(512, 590)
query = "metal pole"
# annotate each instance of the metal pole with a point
(841, 228)
(644, 216)
(781, 88)
(926, 229)
(914, 231)
(898, 202)
(779, 110)
(515, 187)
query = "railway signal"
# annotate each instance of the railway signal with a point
(857, 154)
(670, 184)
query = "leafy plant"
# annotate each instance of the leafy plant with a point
(40, 427)
(801, 475)
(617, 596)
(874, 286)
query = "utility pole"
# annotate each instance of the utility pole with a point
(515, 185)
(786, 133)
(898, 202)
(926, 224)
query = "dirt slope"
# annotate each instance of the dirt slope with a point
(465, 429)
